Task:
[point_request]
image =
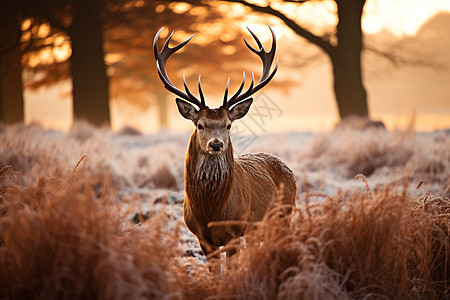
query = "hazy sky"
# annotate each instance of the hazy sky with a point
(401, 17)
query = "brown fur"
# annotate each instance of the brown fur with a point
(222, 188)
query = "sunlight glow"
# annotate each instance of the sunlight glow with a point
(46, 56)
(139, 3)
(198, 11)
(59, 40)
(44, 30)
(227, 37)
(62, 52)
(181, 35)
(26, 36)
(111, 58)
(160, 8)
(164, 32)
(318, 16)
(179, 7)
(400, 17)
(210, 32)
(26, 24)
(228, 50)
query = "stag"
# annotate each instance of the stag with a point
(218, 186)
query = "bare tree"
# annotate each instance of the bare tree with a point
(343, 48)
(11, 91)
(80, 20)
(128, 30)
(87, 65)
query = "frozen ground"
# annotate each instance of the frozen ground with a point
(148, 169)
(109, 225)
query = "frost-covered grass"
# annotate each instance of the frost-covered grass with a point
(112, 227)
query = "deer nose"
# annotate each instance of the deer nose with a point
(216, 146)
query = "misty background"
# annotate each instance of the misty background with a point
(405, 61)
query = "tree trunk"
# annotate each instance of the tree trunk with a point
(87, 65)
(345, 58)
(11, 86)
(349, 89)
(162, 106)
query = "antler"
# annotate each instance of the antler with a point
(267, 59)
(161, 58)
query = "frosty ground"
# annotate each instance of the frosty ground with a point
(149, 169)
(146, 173)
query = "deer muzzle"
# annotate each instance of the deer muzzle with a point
(215, 147)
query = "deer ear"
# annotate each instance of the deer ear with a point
(240, 109)
(187, 110)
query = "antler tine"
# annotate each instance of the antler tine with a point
(237, 92)
(161, 58)
(225, 95)
(202, 98)
(191, 96)
(266, 76)
(258, 42)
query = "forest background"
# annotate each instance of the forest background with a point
(403, 48)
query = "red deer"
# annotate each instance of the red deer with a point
(219, 186)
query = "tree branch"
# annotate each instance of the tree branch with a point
(301, 31)
(399, 60)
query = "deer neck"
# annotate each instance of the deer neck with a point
(208, 180)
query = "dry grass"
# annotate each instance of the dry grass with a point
(377, 245)
(362, 152)
(385, 157)
(68, 235)
(62, 240)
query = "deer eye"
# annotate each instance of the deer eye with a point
(200, 127)
(229, 127)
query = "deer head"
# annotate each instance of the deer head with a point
(213, 125)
